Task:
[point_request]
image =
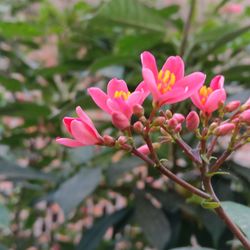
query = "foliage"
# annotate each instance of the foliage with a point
(48, 57)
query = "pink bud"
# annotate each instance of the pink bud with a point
(122, 140)
(138, 110)
(172, 123)
(108, 140)
(179, 117)
(245, 116)
(120, 120)
(144, 149)
(232, 106)
(192, 121)
(224, 129)
(138, 127)
(159, 121)
(178, 128)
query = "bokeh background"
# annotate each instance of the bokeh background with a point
(52, 197)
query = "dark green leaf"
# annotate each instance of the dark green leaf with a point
(92, 237)
(10, 84)
(74, 190)
(153, 222)
(240, 214)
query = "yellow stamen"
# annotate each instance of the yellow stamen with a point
(166, 81)
(204, 93)
(166, 76)
(122, 94)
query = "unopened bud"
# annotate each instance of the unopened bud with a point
(213, 126)
(120, 120)
(159, 121)
(245, 116)
(192, 121)
(138, 110)
(138, 127)
(144, 149)
(172, 123)
(168, 114)
(179, 117)
(246, 105)
(122, 140)
(108, 140)
(224, 129)
(178, 128)
(232, 106)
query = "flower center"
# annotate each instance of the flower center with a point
(166, 81)
(204, 93)
(122, 94)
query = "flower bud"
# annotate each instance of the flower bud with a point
(246, 105)
(159, 121)
(138, 110)
(192, 121)
(168, 114)
(172, 123)
(138, 127)
(245, 116)
(224, 129)
(120, 120)
(213, 126)
(179, 117)
(232, 106)
(144, 149)
(108, 140)
(122, 140)
(178, 128)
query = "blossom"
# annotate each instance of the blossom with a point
(82, 130)
(224, 129)
(233, 8)
(169, 84)
(208, 99)
(192, 121)
(118, 98)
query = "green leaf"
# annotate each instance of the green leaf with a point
(132, 13)
(240, 215)
(11, 171)
(135, 44)
(74, 190)
(4, 217)
(10, 84)
(93, 236)
(20, 29)
(117, 170)
(152, 221)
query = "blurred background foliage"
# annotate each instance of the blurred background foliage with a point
(52, 197)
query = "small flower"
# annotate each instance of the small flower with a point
(232, 106)
(179, 117)
(82, 130)
(208, 99)
(224, 129)
(120, 120)
(169, 84)
(118, 98)
(192, 121)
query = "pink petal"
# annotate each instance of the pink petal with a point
(120, 120)
(213, 100)
(148, 61)
(151, 83)
(217, 82)
(67, 121)
(120, 106)
(100, 98)
(142, 87)
(83, 133)
(197, 101)
(175, 65)
(116, 85)
(135, 98)
(69, 142)
(84, 117)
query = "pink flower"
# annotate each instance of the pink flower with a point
(208, 99)
(120, 120)
(82, 130)
(169, 84)
(233, 8)
(144, 149)
(224, 129)
(192, 121)
(118, 98)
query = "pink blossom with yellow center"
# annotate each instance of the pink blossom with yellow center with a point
(169, 85)
(208, 99)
